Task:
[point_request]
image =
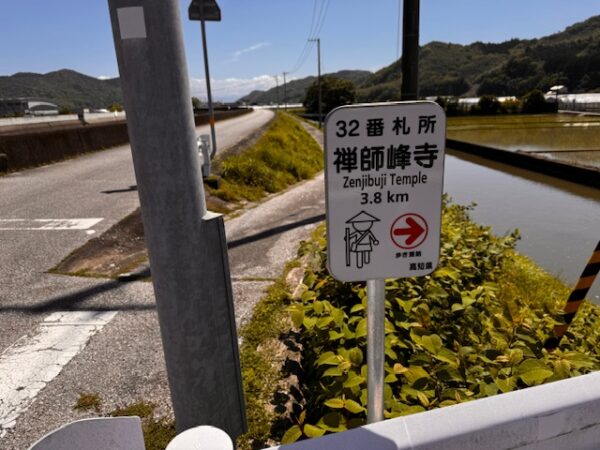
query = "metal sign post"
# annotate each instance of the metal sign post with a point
(206, 10)
(383, 181)
(375, 349)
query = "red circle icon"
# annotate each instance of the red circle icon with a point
(409, 231)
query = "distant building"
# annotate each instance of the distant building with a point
(26, 107)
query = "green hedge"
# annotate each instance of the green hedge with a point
(472, 329)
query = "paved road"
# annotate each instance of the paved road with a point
(46, 213)
(94, 186)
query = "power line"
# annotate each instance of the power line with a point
(312, 22)
(315, 29)
(303, 55)
(327, 2)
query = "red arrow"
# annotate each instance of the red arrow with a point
(414, 231)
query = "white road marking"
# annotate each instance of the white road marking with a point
(32, 362)
(47, 224)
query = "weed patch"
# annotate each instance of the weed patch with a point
(87, 401)
(158, 432)
(284, 155)
(140, 409)
(261, 359)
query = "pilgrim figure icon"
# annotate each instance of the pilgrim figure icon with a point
(360, 239)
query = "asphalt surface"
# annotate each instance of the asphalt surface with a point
(123, 362)
(100, 186)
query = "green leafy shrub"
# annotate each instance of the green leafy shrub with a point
(473, 328)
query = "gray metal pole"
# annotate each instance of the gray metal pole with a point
(211, 114)
(375, 349)
(186, 244)
(284, 92)
(410, 51)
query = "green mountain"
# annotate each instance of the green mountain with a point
(444, 69)
(514, 67)
(571, 57)
(66, 88)
(296, 89)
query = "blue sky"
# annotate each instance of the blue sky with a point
(260, 38)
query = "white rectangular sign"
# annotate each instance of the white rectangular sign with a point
(384, 179)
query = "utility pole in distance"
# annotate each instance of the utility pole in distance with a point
(186, 244)
(318, 41)
(277, 90)
(410, 51)
(284, 92)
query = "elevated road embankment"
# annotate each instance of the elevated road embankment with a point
(38, 144)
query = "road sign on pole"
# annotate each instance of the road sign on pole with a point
(384, 179)
(207, 11)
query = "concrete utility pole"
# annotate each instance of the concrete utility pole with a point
(277, 90)
(410, 51)
(284, 92)
(206, 10)
(318, 41)
(186, 244)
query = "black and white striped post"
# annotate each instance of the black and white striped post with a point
(576, 298)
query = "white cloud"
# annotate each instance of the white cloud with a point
(252, 48)
(236, 55)
(231, 89)
(105, 77)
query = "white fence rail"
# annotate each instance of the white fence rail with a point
(12, 123)
(564, 415)
(556, 416)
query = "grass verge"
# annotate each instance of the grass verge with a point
(262, 355)
(284, 155)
